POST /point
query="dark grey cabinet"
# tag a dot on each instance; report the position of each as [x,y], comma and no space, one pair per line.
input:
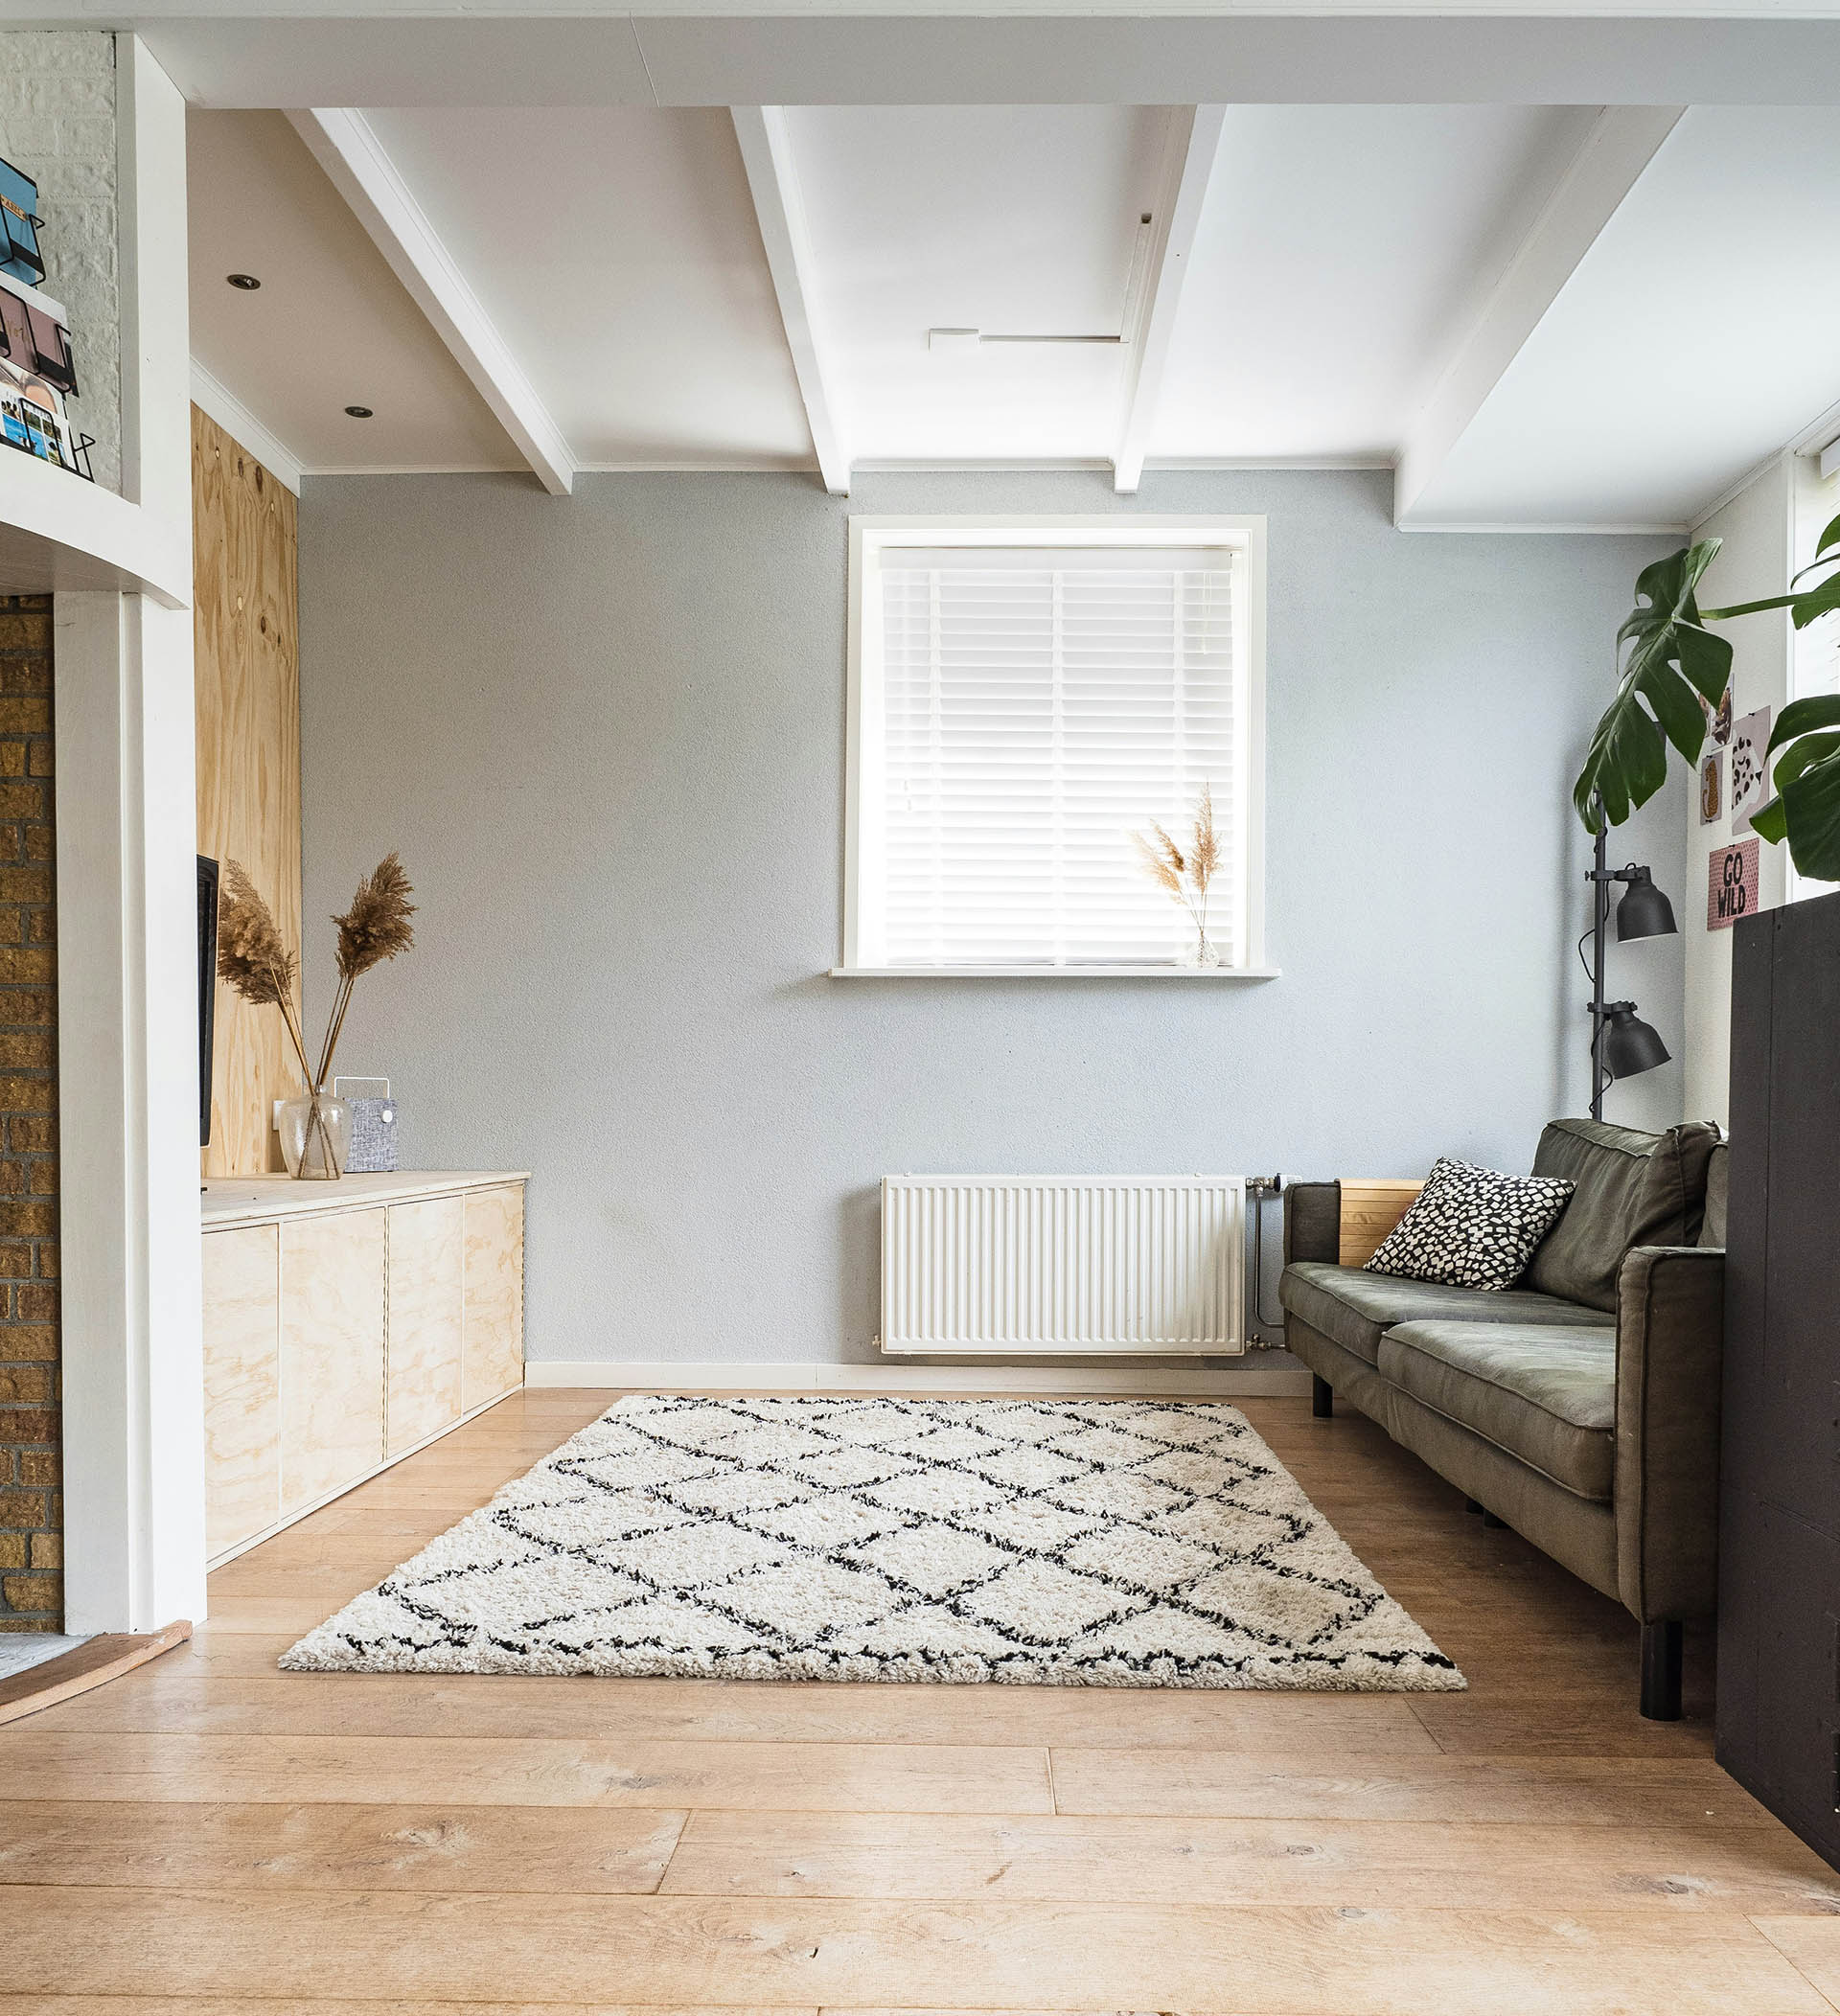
[1779,1567]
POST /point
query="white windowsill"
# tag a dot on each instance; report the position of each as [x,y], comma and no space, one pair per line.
[1055,972]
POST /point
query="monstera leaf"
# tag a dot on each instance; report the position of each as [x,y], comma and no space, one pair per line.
[1806,810]
[1673,662]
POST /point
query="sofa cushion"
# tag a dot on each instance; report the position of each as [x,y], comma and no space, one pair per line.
[1352,1307]
[1546,1393]
[1632,1189]
[1471,1227]
[1718,1177]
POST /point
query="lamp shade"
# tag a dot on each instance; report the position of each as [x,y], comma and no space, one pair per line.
[1644,912]
[1630,1045]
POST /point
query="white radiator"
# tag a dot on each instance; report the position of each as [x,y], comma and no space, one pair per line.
[1110,1265]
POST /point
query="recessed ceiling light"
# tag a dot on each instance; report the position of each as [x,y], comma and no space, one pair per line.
[246,282]
[358,412]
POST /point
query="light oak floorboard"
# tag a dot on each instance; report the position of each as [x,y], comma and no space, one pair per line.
[516,1705]
[1813,1945]
[135,1845]
[449,1771]
[1368,1864]
[1573,1791]
[680,1950]
[294,2006]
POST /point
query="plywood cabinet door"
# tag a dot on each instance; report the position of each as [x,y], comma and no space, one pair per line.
[495,1332]
[428,1265]
[332,1352]
[242,1384]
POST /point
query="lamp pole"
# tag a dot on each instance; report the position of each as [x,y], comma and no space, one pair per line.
[1600,909]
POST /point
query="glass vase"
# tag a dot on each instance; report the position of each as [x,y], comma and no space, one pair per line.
[315,1135]
[1200,950]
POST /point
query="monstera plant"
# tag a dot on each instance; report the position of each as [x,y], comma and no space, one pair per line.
[1671,661]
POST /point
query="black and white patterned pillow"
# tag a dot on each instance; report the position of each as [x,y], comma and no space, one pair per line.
[1472,1227]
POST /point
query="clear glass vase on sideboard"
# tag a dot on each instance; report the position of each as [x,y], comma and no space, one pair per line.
[315,1135]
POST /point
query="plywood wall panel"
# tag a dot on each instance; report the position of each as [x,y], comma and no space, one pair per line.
[244,531]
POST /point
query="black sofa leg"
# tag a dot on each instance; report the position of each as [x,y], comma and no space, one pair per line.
[1494,1525]
[1472,1505]
[1321,1398]
[1661,1670]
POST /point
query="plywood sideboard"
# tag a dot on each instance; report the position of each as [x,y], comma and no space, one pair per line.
[346,1325]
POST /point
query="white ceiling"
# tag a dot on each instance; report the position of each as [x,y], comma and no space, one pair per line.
[1340,247]
[1011,220]
[1700,332]
[616,250]
[331,326]
[1343,261]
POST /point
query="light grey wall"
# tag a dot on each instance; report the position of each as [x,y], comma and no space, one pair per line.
[606,734]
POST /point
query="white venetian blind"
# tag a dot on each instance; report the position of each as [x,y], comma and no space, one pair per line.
[1039,707]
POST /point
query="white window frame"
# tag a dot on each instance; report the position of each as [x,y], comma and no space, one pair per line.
[870,538]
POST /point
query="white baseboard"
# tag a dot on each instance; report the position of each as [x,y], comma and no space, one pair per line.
[1094,1381]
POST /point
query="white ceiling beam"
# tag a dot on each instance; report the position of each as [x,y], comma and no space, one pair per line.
[1621,140]
[772,176]
[1191,142]
[344,145]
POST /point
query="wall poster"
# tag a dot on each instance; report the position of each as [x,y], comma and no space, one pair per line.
[1731,884]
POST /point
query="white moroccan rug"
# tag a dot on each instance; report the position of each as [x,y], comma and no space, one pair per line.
[1095,1543]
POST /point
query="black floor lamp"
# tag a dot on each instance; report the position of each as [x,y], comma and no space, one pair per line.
[1621,1044]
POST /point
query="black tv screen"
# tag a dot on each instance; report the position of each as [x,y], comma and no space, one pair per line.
[207,988]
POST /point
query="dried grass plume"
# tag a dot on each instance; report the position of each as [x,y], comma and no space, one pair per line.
[251,957]
[1185,876]
[377,926]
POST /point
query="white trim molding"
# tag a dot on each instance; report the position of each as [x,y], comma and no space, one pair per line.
[1190,144]
[766,145]
[1089,1382]
[1055,972]
[346,145]
[212,397]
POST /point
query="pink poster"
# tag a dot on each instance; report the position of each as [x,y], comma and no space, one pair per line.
[1731,884]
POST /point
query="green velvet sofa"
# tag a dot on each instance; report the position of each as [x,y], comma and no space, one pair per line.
[1581,1407]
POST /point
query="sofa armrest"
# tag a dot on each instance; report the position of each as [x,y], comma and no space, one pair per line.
[1312,1222]
[1670,1344]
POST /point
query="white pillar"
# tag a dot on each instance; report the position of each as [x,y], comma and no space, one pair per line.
[127,1067]
[128,1038]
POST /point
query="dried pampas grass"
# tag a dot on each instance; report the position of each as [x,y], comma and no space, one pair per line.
[375,927]
[251,957]
[1185,876]
[253,960]
[250,954]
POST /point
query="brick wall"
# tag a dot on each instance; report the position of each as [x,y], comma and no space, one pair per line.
[31,1504]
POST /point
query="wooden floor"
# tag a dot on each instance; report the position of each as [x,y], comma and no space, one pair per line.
[210,1835]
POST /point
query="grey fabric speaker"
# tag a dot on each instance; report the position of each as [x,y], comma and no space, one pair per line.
[373,1123]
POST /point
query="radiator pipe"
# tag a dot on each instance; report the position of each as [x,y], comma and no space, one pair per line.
[1259,1188]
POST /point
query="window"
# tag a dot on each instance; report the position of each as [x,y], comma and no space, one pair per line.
[1025,695]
